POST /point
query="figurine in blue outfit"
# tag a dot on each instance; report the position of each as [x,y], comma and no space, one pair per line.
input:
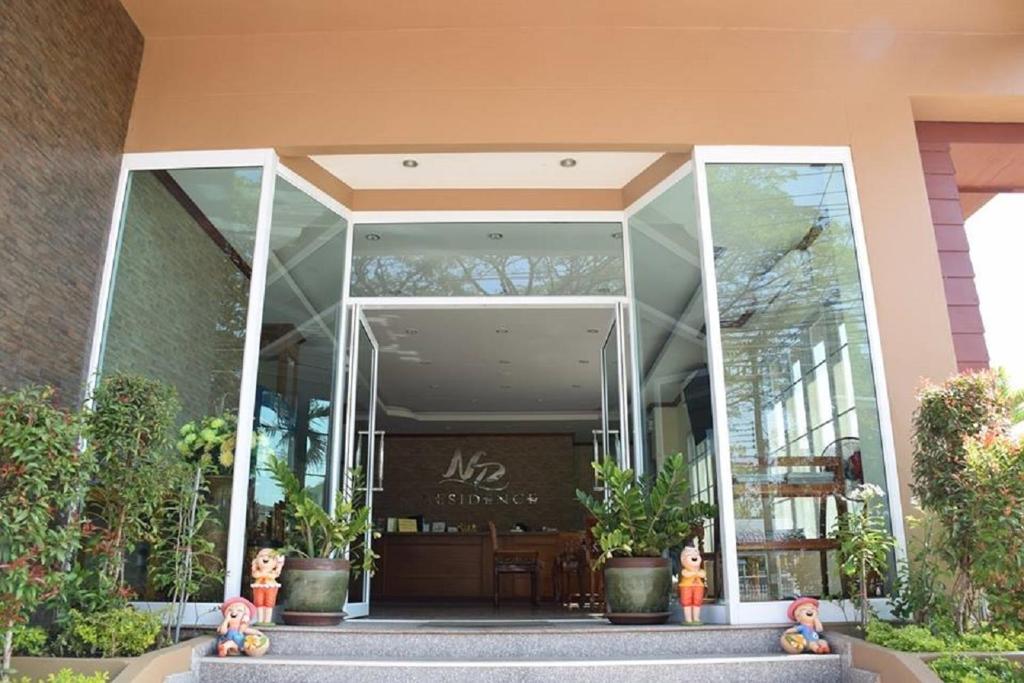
[805,636]
[235,636]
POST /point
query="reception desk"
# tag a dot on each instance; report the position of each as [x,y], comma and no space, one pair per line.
[459,566]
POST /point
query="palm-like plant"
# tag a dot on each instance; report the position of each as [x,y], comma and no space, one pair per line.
[643,517]
[312,531]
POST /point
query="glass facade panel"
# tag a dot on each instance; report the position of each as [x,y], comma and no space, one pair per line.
[487,259]
[179,300]
[673,364]
[802,414]
[295,392]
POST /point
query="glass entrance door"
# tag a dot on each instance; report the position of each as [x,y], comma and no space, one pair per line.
[614,405]
[360,456]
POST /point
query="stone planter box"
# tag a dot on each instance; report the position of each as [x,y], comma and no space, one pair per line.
[152,666]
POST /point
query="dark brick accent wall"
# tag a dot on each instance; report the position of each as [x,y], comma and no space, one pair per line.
[542,473]
[68,70]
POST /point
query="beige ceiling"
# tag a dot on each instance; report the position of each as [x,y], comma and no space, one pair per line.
[212,17]
[487,170]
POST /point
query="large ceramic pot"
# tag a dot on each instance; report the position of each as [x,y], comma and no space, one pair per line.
[314,591]
[637,589]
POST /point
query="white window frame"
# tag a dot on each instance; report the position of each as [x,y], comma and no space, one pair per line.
[731,610]
[775,611]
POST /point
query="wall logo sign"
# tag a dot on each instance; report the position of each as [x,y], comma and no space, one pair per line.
[485,480]
[475,473]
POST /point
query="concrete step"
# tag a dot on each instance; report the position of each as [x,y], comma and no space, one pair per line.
[747,669]
[522,641]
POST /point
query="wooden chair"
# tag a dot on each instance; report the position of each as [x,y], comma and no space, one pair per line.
[514,562]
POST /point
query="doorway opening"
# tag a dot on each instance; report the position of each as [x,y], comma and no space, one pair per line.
[483,416]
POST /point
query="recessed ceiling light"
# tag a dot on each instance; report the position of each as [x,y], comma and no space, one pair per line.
[577,386]
[435,386]
[593,330]
[410,163]
[505,386]
[567,162]
[616,235]
[426,362]
[411,331]
[501,330]
[372,236]
[540,400]
[584,362]
[504,362]
[495,236]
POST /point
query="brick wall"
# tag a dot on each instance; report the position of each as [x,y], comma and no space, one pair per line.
[178,307]
[544,469]
[67,76]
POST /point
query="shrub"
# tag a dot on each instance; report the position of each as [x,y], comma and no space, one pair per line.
[864,543]
[130,428]
[30,641]
[42,476]
[969,406]
[124,632]
[961,669]
[905,639]
[919,591]
[69,676]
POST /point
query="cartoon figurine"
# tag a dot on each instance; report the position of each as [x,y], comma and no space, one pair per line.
[235,635]
[265,569]
[806,635]
[691,584]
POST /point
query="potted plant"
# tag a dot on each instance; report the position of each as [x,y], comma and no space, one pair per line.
[316,575]
[638,520]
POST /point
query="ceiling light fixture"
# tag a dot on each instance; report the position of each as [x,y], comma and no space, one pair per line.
[616,235]
[411,331]
[504,362]
[584,362]
[567,162]
[501,330]
[410,163]
[593,330]
[577,386]
[435,386]
[495,236]
[426,362]
[505,386]
[372,236]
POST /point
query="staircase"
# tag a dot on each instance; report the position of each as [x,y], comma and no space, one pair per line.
[521,651]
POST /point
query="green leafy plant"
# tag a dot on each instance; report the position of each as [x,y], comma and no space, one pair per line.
[123,632]
[129,427]
[864,543]
[43,473]
[183,558]
[912,638]
[69,676]
[30,641]
[311,530]
[963,669]
[968,406]
[210,442]
[919,592]
[643,517]
[993,483]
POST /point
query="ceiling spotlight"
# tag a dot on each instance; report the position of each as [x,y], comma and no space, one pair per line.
[495,236]
[593,330]
[567,162]
[540,400]
[504,362]
[372,236]
[411,331]
[584,362]
[426,362]
[435,386]
[577,386]
[616,235]
[501,330]
[505,386]
[410,163]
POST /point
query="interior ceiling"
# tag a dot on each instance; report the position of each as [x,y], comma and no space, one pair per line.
[546,367]
[487,170]
[218,17]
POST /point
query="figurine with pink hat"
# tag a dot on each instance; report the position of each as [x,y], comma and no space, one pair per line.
[235,635]
[805,636]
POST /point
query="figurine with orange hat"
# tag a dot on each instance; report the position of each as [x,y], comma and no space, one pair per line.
[235,635]
[805,636]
